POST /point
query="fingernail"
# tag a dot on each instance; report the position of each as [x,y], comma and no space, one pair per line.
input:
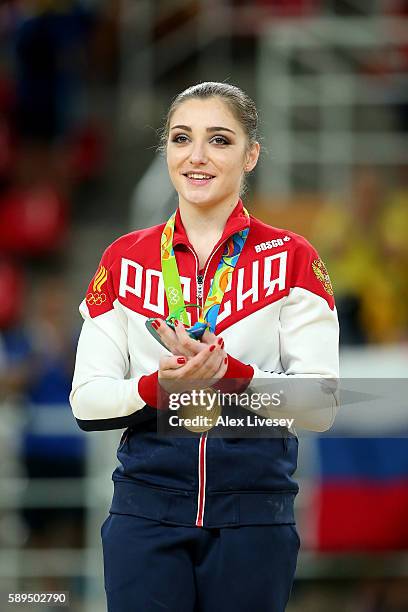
[175,322]
[157,321]
[154,325]
[212,347]
[220,341]
[222,345]
[181,360]
[226,360]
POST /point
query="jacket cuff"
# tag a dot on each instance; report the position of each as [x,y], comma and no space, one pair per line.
[152,392]
[236,378]
[147,387]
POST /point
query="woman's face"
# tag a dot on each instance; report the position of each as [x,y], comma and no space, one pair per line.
[207,152]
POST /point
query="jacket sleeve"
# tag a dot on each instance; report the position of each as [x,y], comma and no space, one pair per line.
[103,394]
[309,350]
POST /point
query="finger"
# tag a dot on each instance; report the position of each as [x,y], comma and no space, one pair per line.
[169,378]
[170,339]
[217,340]
[221,370]
[211,372]
[210,367]
[211,338]
[189,346]
[172,362]
[204,364]
[167,335]
[208,337]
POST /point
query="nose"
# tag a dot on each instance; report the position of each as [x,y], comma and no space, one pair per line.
[198,154]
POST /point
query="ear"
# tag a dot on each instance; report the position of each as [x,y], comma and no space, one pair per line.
[251,157]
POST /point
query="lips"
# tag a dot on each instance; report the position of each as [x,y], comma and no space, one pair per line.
[198,178]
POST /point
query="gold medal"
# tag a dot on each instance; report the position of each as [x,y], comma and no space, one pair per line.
[201,417]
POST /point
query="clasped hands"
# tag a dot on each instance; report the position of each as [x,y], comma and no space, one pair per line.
[192,361]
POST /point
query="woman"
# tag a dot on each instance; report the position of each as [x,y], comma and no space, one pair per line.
[204,522]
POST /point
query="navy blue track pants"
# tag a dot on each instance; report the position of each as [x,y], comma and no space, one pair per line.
[153,567]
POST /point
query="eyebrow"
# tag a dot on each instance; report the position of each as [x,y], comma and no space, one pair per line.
[216,128]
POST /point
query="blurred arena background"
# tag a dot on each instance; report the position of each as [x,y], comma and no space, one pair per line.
[84,86]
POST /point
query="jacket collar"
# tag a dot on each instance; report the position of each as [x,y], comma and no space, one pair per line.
[236,222]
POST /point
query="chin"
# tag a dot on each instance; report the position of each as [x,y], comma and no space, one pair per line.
[199,199]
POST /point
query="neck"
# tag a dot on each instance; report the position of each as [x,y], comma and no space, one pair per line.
[200,222]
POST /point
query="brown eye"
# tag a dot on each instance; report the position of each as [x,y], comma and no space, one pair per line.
[181,139]
[220,140]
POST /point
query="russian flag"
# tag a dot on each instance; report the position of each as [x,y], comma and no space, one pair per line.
[362,500]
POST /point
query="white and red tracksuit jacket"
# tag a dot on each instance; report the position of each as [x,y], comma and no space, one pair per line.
[278,321]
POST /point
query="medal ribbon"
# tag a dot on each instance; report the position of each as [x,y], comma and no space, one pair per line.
[222,276]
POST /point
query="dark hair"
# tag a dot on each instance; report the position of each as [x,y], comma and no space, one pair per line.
[240,104]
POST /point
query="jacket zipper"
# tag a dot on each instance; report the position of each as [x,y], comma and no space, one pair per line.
[200,286]
[202,446]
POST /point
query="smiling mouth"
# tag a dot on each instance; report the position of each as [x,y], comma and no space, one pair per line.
[198,176]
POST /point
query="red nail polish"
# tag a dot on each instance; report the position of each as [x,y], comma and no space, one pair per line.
[222,345]
[220,341]
[226,360]
[175,322]
[157,321]
[181,360]
[154,325]
[212,347]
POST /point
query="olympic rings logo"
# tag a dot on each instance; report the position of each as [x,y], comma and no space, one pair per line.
[173,295]
[95,299]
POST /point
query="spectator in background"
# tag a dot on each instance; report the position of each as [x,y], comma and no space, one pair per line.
[50,56]
[7,132]
[51,447]
[349,238]
[12,529]
[394,245]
